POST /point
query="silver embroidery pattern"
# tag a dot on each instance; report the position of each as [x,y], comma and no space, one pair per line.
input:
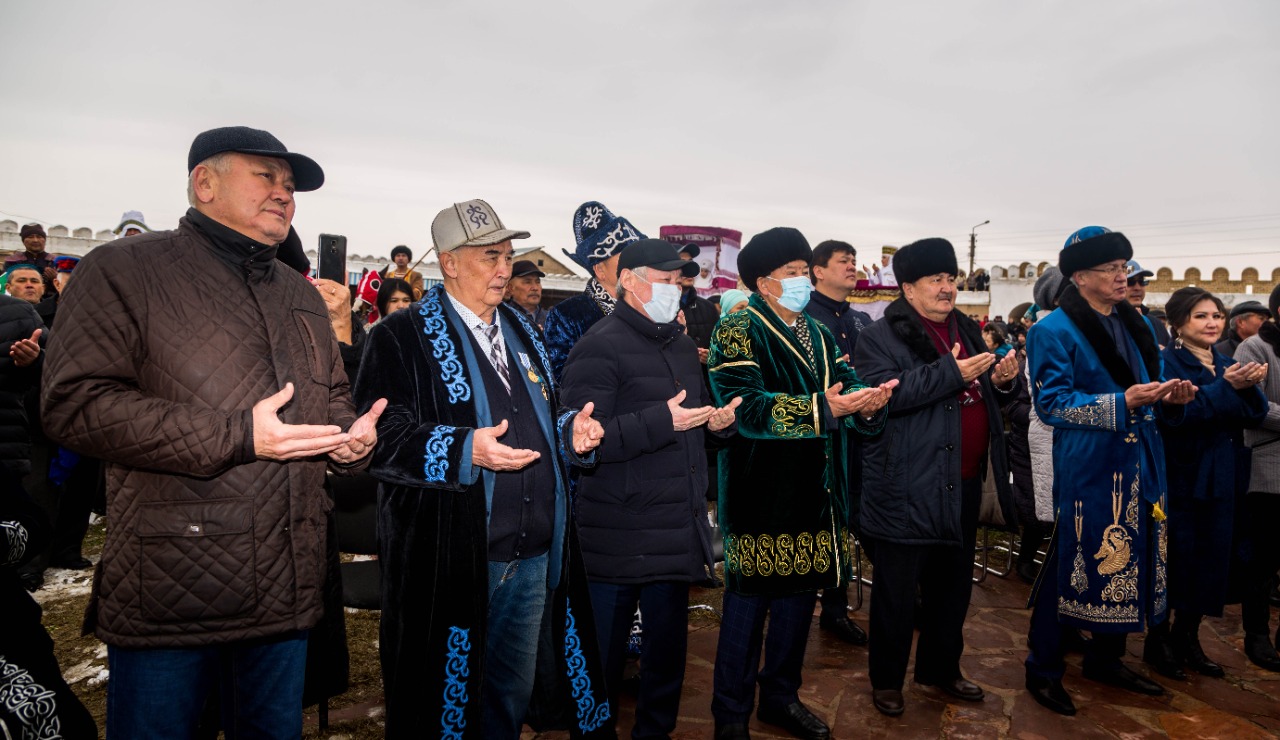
[614,240]
[1100,413]
[31,703]
[16,535]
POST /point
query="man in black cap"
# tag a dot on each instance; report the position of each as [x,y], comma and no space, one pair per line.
[645,547]
[1243,322]
[524,291]
[1136,284]
[217,400]
[700,316]
[922,485]
[783,505]
[400,258]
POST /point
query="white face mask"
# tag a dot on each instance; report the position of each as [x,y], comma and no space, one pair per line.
[663,306]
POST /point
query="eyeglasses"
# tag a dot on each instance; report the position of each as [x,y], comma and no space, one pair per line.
[1109,270]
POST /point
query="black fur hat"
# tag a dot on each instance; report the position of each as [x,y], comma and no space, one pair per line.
[923,258]
[1090,247]
[769,250]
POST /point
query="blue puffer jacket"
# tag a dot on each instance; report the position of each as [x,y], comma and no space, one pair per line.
[642,511]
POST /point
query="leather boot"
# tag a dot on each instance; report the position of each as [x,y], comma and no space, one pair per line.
[1261,652]
[1157,653]
[1185,642]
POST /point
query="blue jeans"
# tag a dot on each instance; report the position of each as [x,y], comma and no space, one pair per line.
[158,693]
[517,596]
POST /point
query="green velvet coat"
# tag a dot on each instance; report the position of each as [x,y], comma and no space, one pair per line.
[783,506]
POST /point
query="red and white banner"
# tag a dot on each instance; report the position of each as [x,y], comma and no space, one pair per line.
[717,255]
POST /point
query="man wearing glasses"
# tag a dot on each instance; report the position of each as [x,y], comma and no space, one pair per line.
[1137,283]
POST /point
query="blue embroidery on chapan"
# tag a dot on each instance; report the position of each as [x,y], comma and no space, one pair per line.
[590,714]
[437,453]
[537,345]
[453,719]
[442,346]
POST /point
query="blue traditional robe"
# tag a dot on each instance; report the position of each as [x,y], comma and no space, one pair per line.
[783,503]
[433,512]
[1108,466]
[1208,468]
[567,321]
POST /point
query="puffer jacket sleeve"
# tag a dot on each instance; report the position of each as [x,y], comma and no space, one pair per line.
[91,401]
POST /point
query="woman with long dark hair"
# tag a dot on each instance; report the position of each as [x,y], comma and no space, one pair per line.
[1207,469]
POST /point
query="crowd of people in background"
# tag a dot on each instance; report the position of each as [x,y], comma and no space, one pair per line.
[551,480]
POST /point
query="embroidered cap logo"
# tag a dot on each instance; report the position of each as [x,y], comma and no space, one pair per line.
[477,216]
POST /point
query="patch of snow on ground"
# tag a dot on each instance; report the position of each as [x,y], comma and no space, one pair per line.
[61,584]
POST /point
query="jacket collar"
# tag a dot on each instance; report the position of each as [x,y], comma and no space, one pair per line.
[1090,325]
[907,324]
[254,261]
[831,304]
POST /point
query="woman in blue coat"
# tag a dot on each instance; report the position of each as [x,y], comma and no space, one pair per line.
[1207,468]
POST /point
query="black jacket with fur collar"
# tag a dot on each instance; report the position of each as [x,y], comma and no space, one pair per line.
[911,472]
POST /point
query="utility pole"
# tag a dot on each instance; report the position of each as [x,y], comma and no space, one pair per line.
[973,246]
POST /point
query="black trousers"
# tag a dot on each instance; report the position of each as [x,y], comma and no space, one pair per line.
[944,575]
[1046,635]
[738,653]
[1262,511]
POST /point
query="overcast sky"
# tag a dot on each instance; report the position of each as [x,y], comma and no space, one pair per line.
[875,123]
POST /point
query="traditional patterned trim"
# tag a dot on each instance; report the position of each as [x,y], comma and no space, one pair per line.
[785,412]
[436,328]
[779,554]
[731,337]
[1100,413]
[453,718]
[532,334]
[29,702]
[788,341]
[16,536]
[1101,613]
[740,363]
[591,715]
[437,453]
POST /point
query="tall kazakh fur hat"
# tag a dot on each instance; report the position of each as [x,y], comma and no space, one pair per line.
[1092,246]
[769,250]
[599,234]
[923,258]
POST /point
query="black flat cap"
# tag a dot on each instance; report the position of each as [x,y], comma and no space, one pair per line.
[658,254]
[525,268]
[307,175]
[1240,309]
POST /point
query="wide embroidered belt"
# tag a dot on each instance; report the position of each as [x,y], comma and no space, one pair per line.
[784,554]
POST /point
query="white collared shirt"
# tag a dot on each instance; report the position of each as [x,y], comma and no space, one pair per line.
[480,329]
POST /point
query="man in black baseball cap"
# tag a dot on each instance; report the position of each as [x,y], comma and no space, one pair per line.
[307,175]
[524,291]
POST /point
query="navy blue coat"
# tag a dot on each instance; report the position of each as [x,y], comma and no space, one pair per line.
[1207,467]
[642,511]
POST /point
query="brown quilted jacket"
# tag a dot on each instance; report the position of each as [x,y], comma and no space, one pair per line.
[162,349]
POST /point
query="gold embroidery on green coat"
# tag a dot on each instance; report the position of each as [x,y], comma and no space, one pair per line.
[781,554]
[786,409]
[731,338]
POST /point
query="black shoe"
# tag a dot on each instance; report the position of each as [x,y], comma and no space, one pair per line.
[1074,641]
[77,564]
[1122,677]
[32,581]
[1028,571]
[736,731]
[960,689]
[888,701]
[1158,654]
[796,719]
[1187,649]
[1261,652]
[844,628]
[1048,692]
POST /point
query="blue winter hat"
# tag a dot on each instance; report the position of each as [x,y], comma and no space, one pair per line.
[599,234]
[1091,246]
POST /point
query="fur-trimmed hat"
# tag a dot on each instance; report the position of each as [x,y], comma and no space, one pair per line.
[131,220]
[923,258]
[769,250]
[599,234]
[1092,246]
[30,229]
[401,249]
